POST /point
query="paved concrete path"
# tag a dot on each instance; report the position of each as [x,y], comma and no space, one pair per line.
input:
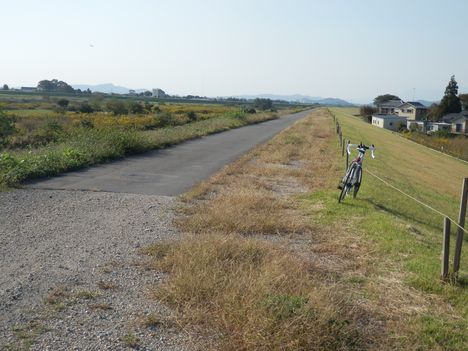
[170,171]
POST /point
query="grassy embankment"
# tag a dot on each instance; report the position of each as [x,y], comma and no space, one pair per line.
[50,144]
[407,235]
[272,261]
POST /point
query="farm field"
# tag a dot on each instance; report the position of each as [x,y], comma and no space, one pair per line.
[272,259]
[48,137]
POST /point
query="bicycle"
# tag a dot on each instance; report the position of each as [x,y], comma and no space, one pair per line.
[353,176]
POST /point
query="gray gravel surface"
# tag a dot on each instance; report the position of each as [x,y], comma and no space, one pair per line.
[72,275]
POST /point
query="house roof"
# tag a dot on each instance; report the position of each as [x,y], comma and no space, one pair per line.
[415,104]
[440,123]
[391,104]
[465,117]
[453,116]
[389,117]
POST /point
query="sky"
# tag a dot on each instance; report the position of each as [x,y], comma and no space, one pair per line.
[350,49]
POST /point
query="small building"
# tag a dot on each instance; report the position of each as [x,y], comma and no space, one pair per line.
[458,122]
[414,111]
[460,125]
[420,126]
[438,126]
[389,107]
[391,122]
[29,89]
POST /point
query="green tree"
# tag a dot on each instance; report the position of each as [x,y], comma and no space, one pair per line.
[464,101]
[384,98]
[367,110]
[55,85]
[433,112]
[263,104]
[450,103]
[5,87]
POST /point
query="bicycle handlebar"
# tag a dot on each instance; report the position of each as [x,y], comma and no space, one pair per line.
[361,148]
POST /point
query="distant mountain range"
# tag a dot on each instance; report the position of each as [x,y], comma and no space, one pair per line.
[426,102]
[299,98]
[106,88]
[116,89]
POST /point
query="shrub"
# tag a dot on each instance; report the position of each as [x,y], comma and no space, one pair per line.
[86,123]
[239,114]
[192,116]
[442,134]
[135,107]
[7,127]
[63,103]
[85,107]
[367,110]
[166,119]
[249,110]
[117,107]
[51,131]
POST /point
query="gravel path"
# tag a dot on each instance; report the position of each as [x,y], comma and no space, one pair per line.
[72,277]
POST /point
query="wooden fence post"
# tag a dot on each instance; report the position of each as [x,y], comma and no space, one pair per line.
[445,249]
[461,223]
[347,156]
[342,148]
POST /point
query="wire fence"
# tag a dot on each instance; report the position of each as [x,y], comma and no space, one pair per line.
[416,200]
[339,131]
[447,220]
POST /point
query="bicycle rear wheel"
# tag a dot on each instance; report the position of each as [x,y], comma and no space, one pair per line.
[357,184]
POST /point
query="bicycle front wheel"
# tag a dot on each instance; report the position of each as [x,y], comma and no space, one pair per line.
[347,183]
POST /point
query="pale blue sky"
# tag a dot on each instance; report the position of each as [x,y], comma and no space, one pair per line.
[342,48]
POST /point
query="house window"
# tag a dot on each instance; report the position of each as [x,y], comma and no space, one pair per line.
[391,123]
[458,128]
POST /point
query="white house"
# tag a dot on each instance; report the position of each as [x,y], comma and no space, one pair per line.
[389,107]
[412,110]
[460,125]
[458,122]
[392,122]
[437,126]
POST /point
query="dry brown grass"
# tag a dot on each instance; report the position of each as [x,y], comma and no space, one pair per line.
[246,208]
[257,296]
